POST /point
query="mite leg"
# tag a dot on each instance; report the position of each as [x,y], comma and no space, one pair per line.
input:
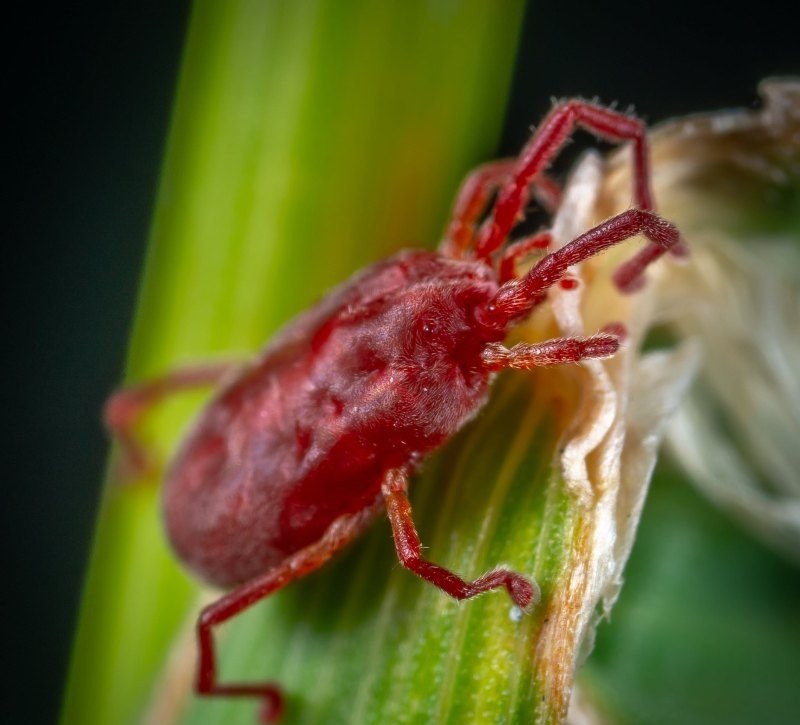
[547,192]
[124,409]
[340,533]
[470,202]
[562,350]
[629,276]
[517,298]
[545,144]
[514,252]
[474,194]
[522,591]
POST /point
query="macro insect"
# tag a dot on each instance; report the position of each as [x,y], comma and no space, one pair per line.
[301,449]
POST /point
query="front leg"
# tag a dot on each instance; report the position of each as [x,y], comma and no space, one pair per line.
[474,194]
[517,297]
[545,144]
[523,591]
[559,351]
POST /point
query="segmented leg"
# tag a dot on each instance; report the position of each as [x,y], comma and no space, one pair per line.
[522,591]
[545,144]
[340,533]
[474,194]
[125,408]
[524,356]
[629,276]
[518,297]
[471,200]
[507,268]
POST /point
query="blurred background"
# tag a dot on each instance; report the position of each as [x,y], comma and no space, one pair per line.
[91,89]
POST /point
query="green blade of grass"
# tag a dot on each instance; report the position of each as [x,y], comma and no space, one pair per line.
[307,139]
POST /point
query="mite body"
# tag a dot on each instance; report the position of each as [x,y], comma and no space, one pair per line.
[380,373]
[301,449]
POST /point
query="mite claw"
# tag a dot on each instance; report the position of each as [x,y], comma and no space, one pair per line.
[524,593]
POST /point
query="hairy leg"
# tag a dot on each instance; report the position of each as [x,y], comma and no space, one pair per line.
[546,143]
[507,268]
[474,194]
[125,408]
[524,356]
[340,533]
[522,591]
[518,297]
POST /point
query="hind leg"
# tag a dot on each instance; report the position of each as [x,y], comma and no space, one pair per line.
[125,408]
[340,533]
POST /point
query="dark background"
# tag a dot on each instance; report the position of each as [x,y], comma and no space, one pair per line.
[89,101]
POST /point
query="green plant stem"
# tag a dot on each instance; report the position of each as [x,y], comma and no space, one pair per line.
[307,139]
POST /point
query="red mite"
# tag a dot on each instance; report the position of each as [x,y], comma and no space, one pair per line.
[301,449]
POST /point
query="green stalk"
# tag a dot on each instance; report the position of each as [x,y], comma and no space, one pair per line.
[308,138]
